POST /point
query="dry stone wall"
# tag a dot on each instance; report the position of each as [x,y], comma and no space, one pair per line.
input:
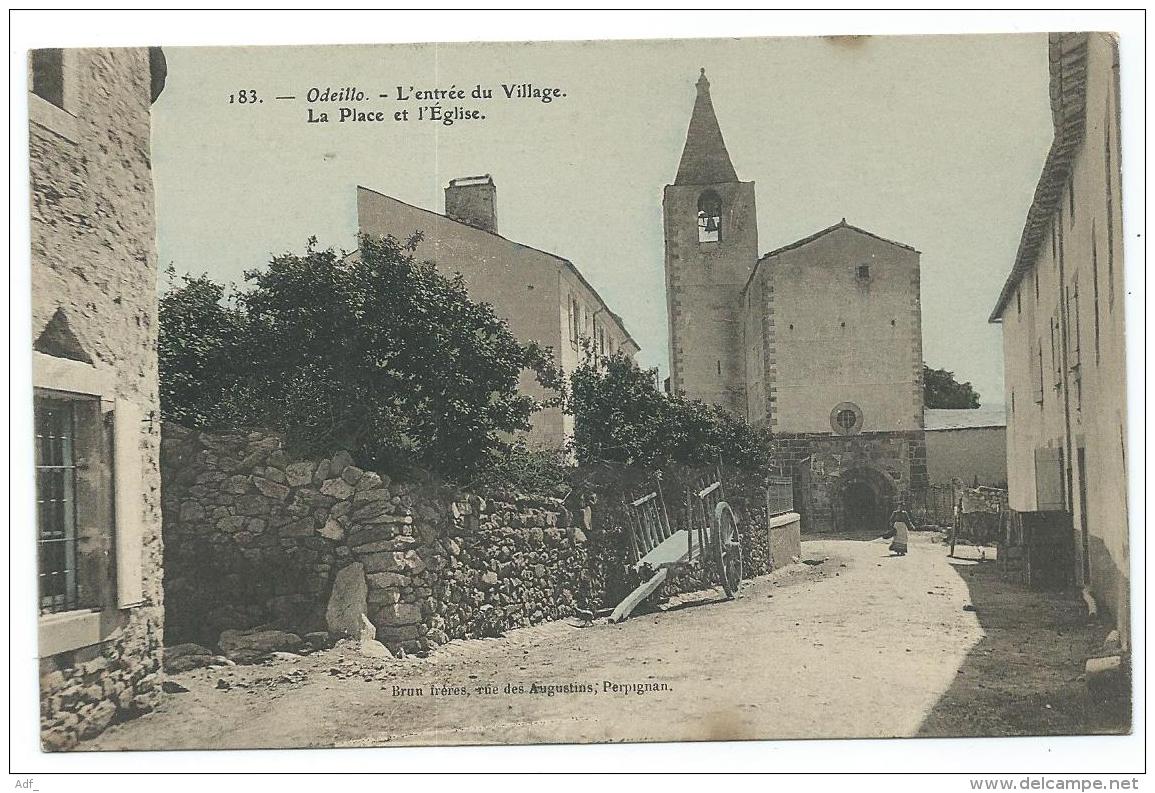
[256,538]
[261,542]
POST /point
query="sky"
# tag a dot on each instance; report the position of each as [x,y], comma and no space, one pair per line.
[933,141]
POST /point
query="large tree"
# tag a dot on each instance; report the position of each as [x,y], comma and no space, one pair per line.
[376,352]
[621,416]
[941,390]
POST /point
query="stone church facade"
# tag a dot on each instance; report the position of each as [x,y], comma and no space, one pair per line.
[820,341]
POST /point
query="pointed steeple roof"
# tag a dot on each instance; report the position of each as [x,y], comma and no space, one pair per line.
[704,159]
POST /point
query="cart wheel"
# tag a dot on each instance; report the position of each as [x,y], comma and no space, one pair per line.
[727,548]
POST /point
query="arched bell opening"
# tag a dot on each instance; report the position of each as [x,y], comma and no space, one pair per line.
[709,217]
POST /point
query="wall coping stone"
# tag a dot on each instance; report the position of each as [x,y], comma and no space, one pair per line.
[785,519]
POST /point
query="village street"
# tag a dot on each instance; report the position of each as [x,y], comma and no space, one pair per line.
[855,644]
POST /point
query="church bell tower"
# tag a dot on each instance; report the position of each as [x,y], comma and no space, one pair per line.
[711,247]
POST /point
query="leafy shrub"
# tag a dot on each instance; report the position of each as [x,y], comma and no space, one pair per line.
[522,469]
[621,416]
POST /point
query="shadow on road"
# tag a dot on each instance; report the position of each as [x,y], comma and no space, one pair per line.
[1025,676]
[694,603]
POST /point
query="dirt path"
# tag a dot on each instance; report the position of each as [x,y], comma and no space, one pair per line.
[861,645]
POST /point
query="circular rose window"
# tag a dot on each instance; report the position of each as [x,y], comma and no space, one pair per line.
[846,418]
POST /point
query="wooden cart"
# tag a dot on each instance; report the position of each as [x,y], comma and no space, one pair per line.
[710,536]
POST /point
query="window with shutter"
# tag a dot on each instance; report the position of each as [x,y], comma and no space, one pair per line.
[90,515]
[1073,299]
[1037,373]
[574,323]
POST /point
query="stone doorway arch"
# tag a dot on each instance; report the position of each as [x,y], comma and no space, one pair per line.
[863,498]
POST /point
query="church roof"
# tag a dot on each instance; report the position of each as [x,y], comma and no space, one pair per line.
[842,224]
[704,158]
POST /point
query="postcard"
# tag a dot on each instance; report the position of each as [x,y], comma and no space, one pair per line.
[579,392]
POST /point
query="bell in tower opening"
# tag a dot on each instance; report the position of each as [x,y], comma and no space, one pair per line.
[709,217]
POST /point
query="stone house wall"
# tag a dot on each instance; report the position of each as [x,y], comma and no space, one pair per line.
[93,273]
[1061,311]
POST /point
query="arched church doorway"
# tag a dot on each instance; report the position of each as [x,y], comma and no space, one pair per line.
[864,498]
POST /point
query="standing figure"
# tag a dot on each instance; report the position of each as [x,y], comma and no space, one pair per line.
[899,527]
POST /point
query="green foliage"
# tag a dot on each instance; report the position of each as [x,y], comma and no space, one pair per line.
[523,469]
[198,332]
[621,416]
[376,352]
[941,390]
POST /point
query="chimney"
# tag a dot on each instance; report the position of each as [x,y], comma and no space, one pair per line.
[473,200]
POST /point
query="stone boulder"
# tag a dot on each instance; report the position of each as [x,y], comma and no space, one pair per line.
[299,473]
[250,647]
[183,657]
[347,601]
[395,614]
[336,488]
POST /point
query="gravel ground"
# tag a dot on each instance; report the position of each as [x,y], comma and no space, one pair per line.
[858,644]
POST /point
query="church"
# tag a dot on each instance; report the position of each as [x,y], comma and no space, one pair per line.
[819,341]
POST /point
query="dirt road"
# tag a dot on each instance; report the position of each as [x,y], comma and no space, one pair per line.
[860,645]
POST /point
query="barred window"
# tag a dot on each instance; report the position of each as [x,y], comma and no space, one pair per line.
[91,519]
[56,504]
